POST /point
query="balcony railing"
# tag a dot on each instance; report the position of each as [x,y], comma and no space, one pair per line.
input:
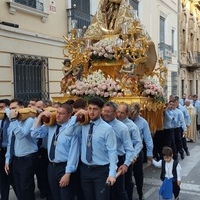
[31,3]
[194,57]
[165,51]
[83,19]
[198,57]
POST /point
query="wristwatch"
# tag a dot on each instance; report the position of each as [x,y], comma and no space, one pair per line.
[13,119]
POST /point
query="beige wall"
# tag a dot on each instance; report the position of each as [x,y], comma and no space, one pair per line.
[25,43]
[55,25]
[33,37]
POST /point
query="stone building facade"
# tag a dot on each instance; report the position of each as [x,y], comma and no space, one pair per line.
[189,47]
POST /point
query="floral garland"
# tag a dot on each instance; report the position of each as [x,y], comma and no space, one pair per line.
[150,88]
[103,50]
[96,85]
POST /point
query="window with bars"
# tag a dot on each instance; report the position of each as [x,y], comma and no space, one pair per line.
[83,5]
[30,77]
[81,12]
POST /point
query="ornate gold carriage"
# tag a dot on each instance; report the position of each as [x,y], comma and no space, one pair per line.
[128,41]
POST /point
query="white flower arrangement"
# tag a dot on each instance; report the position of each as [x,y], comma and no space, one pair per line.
[103,50]
[150,88]
[96,85]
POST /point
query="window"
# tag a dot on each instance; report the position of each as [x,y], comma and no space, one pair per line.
[183,40]
[37,4]
[83,5]
[32,7]
[134,4]
[81,12]
[30,77]
[173,35]
[182,86]
[162,29]
[174,81]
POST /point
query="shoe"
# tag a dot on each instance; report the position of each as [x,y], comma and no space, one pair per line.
[177,198]
[182,156]
[187,153]
[141,198]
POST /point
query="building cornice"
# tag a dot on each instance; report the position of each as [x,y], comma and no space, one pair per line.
[10,32]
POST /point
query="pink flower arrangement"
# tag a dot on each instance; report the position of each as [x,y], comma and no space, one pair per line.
[96,84]
[103,50]
[150,88]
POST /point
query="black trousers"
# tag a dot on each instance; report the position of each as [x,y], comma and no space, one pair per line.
[118,191]
[77,184]
[93,179]
[178,141]
[158,144]
[4,178]
[184,142]
[138,174]
[55,172]
[168,139]
[42,174]
[129,182]
[24,169]
[176,189]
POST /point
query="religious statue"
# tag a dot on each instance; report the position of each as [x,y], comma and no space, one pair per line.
[109,21]
[128,77]
[68,78]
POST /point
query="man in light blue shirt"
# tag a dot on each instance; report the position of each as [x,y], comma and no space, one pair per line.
[124,149]
[63,151]
[179,125]
[187,122]
[146,137]
[122,115]
[5,180]
[99,144]
[21,152]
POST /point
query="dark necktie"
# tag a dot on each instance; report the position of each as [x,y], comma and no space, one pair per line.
[53,143]
[89,144]
[12,145]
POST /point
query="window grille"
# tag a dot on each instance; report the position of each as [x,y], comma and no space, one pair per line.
[30,77]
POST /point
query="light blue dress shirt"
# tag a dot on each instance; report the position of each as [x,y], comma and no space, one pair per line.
[169,118]
[145,134]
[104,145]
[182,101]
[180,122]
[135,136]
[67,146]
[185,114]
[24,143]
[124,143]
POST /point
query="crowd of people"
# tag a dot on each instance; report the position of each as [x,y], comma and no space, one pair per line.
[96,160]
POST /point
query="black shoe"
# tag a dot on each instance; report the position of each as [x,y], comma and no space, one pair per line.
[182,156]
[141,198]
[187,153]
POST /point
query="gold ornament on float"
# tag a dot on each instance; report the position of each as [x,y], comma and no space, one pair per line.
[117,44]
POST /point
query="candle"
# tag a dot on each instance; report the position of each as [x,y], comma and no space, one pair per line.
[124,28]
[79,33]
[74,23]
[87,43]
